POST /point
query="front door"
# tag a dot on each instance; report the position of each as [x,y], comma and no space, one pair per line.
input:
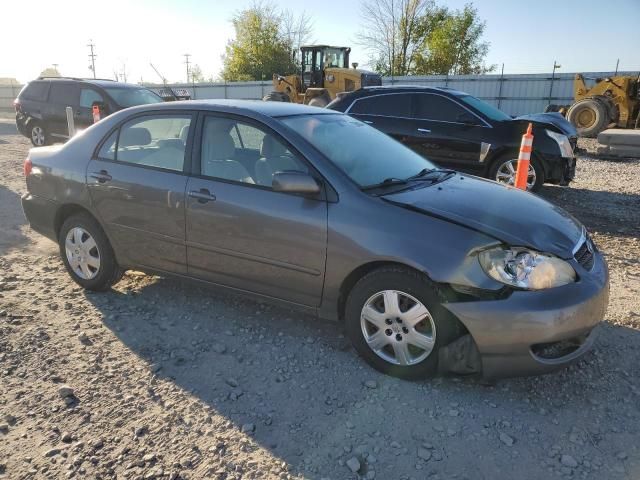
[137,185]
[447,133]
[242,234]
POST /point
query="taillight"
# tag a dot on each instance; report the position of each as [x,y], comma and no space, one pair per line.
[16,105]
[28,166]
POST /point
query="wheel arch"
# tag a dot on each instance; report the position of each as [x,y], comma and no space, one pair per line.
[359,272]
[67,210]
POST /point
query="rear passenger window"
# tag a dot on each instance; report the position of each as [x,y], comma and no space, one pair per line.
[439,108]
[64,94]
[108,149]
[36,91]
[389,105]
[157,141]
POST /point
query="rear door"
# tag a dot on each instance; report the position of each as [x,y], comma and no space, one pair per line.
[61,95]
[242,234]
[447,133]
[137,184]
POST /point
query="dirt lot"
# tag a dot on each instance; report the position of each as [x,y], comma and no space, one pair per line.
[172,380]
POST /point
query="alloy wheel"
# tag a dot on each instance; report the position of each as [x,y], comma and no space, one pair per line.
[37,135]
[82,253]
[506,174]
[398,328]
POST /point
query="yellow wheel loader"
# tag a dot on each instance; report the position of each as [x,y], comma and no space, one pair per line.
[325,73]
[612,100]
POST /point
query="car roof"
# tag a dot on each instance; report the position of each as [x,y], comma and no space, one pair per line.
[270,109]
[409,88]
[99,82]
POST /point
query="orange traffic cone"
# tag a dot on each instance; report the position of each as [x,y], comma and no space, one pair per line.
[96,113]
[524,159]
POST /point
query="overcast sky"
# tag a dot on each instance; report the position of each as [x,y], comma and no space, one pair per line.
[585,35]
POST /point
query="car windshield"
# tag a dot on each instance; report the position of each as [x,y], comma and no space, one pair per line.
[489,110]
[129,97]
[365,154]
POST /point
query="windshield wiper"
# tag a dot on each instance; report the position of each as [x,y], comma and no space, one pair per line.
[385,183]
[428,172]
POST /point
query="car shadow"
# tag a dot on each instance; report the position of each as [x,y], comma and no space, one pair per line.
[601,211]
[298,381]
[8,128]
[12,221]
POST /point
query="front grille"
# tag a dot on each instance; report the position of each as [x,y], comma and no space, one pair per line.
[584,254]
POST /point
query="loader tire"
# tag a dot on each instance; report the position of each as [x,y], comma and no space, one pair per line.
[276,97]
[589,116]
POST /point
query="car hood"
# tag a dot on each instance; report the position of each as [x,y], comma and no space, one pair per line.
[553,118]
[510,215]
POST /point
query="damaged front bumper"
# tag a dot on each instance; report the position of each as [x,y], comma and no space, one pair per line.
[530,332]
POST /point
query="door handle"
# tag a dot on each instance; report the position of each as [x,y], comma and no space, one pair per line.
[203,195]
[424,130]
[102,176]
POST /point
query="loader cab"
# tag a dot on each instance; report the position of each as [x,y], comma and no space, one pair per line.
[318,57]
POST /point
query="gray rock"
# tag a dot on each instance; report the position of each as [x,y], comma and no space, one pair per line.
[97,443]
[84,338]
[4,428]
[65,391]
[52,452]
[506,439]
[371,384]
[248,428]
[66,437]
[424,454]
[354,464]
[568,461]
[219,348]
[232,382]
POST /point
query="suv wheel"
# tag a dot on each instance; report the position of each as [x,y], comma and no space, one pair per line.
[504,169]
[397,324]
[38,134]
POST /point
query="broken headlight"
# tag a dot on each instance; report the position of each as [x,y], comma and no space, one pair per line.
[527,269]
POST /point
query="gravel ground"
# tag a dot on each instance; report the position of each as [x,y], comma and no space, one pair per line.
[164,379]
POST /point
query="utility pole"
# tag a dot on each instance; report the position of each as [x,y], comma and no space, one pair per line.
[92,56]
[617,65]
[186,62]
[553,77]
[55,66]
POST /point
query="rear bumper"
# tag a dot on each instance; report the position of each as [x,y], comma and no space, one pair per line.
[535,332]
[41,214]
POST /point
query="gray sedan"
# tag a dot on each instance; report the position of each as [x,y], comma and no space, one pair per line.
[429,270]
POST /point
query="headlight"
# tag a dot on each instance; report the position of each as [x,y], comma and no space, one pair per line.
[528,269]
[563,143]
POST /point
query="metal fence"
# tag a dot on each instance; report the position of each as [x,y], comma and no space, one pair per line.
[514,94]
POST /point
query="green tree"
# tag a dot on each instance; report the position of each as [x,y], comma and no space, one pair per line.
[453,45]
[259,48]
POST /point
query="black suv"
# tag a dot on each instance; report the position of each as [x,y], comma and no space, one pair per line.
[41,105]
[457,130]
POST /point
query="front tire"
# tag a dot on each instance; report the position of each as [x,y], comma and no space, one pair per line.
[87,253]
[503,170]
[38,134]
[396,322]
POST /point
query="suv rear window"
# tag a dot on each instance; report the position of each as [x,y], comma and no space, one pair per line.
[35,91]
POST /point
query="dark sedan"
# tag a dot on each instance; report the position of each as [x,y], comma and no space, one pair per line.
[318,210]
[459,131]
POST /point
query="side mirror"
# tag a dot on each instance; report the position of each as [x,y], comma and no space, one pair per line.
[295,182]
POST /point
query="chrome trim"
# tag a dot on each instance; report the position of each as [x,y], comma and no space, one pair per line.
[581,240]
[486,124]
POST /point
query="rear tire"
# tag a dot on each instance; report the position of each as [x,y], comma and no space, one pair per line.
[386,337]
[276,97]
[38,134]
[589,116]
[87,253]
